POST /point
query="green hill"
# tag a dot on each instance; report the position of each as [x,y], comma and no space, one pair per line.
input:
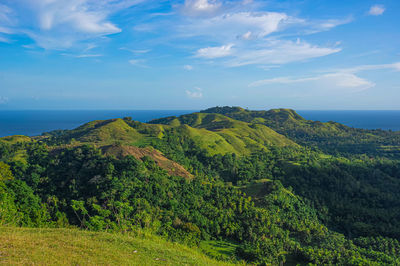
[215,133]
[330,137]
[28,246]
[219,134]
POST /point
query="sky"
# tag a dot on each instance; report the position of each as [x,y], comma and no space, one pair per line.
[195,54]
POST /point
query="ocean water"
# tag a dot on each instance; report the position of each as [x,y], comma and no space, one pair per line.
[33,123]
[387,120]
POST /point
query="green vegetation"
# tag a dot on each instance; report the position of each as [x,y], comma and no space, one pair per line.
[77,247]
[331,137]
[223,182]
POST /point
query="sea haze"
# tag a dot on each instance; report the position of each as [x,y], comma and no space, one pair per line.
[32,123]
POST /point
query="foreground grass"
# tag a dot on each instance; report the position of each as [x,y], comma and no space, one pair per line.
[32,246]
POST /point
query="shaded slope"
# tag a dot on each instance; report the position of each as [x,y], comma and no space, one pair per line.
[171,167]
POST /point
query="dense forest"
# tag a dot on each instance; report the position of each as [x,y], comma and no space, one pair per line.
[273,187]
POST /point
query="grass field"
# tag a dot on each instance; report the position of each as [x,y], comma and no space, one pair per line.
[33,246]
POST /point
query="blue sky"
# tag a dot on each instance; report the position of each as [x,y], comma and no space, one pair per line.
[194,54]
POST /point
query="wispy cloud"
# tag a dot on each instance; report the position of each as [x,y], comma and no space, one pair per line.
[277,52]
[215,52]
[376,10]
[136,51]
[82,55]
[196,93]
[232,26]
[61,24]
[393,66]
[200,7]
[345,78]
[138,62]
[188,67]
[327,81]
[252,37]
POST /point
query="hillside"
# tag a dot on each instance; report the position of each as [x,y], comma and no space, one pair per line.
[171,167]
[330,137]
[22,246]
[219,134]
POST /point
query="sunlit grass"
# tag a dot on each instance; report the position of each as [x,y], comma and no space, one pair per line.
[31,246]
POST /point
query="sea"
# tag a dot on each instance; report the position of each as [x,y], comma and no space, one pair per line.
[34,123]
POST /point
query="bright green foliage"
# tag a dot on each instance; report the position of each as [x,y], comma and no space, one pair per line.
[5,172]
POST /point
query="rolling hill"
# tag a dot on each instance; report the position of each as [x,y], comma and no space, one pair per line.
[215,133]
[330,137]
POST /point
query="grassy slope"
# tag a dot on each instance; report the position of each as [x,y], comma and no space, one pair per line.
[75,247]
[220,134]
[328,136]
[15,139]
[10,140]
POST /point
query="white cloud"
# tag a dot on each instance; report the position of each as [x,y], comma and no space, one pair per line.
[188,67]
[60,24]
[200,7]
[247,35]
[332,81]
[196,93]
[277,52]
[256,37]
[82,55]
[338,79]
[376,10]
[215,52]
[393,66]
[138,62]
[230,26]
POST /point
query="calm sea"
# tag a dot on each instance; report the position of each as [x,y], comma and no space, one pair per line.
[33,123]
[360,119]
